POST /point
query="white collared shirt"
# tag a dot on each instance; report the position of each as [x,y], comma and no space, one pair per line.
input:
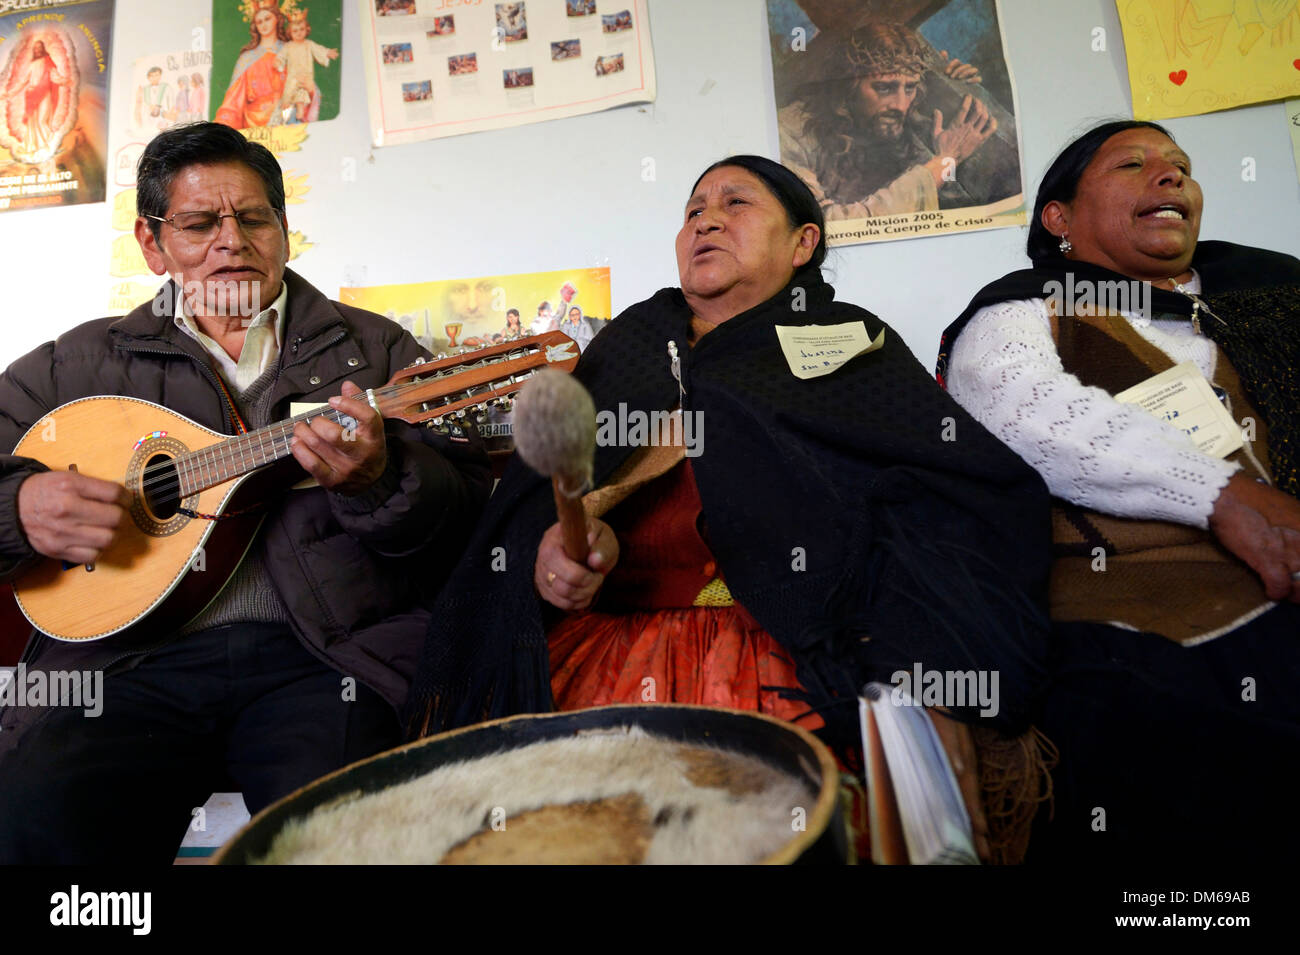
[262,342]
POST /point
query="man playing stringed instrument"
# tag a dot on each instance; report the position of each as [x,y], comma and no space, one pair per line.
[292,665]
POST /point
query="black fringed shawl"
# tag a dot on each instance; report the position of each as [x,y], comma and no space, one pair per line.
[863,518]
[1255,292]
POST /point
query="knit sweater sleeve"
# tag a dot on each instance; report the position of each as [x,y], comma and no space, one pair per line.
[1090,449]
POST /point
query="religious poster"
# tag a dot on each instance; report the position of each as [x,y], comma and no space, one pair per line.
[443,67]
[1198,56]
[53,102]
[167,89]
[900,115]
[275,67]
[457,315]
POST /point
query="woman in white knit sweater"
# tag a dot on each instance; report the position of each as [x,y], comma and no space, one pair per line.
[1176,578]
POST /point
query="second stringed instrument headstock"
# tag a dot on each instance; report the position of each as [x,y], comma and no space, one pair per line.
[450,387]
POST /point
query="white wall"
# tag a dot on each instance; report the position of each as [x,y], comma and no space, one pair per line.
[570,193]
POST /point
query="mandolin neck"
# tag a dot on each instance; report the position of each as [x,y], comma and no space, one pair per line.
[245,453]
[421,393]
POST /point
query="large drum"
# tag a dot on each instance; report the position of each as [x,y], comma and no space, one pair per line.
[662,783]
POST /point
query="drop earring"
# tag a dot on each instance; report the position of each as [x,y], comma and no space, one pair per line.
[1066,245]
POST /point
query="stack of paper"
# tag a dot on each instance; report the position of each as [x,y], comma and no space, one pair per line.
[917,812]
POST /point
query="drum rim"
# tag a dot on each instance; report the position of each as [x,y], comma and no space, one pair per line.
[819,821]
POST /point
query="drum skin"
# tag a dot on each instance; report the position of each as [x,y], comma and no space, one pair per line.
[782,745]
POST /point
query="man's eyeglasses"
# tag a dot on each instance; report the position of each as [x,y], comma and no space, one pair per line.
[205,225]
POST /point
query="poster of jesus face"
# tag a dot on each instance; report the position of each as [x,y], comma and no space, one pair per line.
[54,105]
[899,115]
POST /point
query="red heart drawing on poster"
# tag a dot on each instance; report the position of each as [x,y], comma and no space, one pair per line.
[1296,64]
[1179,78]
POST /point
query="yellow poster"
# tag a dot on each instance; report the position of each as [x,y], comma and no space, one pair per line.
[448,315]
[1198,56]
[456,315]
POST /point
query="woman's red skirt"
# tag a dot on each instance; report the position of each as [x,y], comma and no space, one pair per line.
[710,656]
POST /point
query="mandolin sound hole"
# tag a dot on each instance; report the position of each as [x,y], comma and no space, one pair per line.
[160,487]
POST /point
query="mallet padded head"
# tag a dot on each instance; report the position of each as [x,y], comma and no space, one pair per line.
[555,427]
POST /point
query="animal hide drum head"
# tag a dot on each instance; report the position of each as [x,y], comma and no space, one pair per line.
[662,783]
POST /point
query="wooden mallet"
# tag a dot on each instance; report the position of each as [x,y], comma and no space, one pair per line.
[555,434]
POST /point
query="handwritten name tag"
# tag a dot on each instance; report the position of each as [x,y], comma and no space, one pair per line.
[1182,397]
[815,350]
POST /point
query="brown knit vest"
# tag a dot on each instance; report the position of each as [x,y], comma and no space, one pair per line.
[1158,576]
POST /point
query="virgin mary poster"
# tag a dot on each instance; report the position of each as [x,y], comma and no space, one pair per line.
[275,63]
[54,103]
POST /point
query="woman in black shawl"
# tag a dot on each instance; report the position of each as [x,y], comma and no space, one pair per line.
[840,528]
[1176,571]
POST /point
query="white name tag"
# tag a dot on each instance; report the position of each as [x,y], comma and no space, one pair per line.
[1182,397]
[301,407]
[815,350]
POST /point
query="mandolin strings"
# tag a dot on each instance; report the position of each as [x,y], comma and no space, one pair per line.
[208,467]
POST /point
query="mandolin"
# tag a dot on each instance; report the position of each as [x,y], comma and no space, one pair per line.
[195,493]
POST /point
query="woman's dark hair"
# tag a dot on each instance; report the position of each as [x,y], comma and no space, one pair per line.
[199,144]
[1061,180]
[795,197]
